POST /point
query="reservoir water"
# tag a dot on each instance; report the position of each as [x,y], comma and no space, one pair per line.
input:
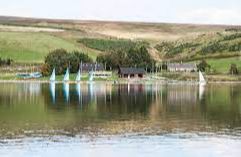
[133,120]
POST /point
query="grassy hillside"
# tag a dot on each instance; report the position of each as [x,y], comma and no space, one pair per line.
[214,45]
[30,47]
[30,40]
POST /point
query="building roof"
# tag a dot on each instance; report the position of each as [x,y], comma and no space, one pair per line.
[132,71]
[92,66]
[181,66]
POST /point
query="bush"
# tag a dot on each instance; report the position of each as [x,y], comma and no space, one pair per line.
[203,66]
[45,69]
[233,69]
[5,62]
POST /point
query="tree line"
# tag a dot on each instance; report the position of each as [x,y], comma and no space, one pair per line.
[136,56]
[5,62]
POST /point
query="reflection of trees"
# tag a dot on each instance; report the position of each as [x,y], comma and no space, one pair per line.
[15,93]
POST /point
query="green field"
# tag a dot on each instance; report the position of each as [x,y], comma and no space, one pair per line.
[30,47]
[223,65]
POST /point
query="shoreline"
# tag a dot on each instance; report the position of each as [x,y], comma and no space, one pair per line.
[169,81]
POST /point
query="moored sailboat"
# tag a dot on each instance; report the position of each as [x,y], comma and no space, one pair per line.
[52,78]
[91,76]
[78,77]
[66,76]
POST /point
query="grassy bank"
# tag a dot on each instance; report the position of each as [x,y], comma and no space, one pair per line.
[12,76]
[195,77]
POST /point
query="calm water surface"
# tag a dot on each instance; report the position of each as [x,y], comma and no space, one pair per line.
[120,120]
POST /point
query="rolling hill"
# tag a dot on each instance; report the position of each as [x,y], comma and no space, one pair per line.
[29,40]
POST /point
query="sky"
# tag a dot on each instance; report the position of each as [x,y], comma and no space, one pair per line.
[173,11]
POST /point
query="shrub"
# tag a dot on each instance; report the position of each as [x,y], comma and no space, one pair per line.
[5,62]
[232,36]
[45,69]
[203,66]
[233,69]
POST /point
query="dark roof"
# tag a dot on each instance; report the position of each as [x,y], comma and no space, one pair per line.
[92,66]
[132,71]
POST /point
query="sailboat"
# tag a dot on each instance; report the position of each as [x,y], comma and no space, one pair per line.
[78,77]
[52,78]
[202,80]
[66,76]
[91,76]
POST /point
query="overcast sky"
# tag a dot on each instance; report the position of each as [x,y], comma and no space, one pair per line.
[175,11]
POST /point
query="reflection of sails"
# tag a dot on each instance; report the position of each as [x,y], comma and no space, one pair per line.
[78,91]
[201,91]
[52,91]
[66,91]
[91,91]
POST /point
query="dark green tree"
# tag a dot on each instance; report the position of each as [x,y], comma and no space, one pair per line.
[233,69]
[203,66]
[57,59]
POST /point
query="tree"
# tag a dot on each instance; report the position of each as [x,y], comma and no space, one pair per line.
[233,69]
[75,58]
[57,59]
[203,66]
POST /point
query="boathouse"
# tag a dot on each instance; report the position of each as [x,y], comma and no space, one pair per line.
[181,67]
[131,72]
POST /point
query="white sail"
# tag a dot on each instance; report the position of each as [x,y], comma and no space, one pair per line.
[52,78]
[201,78]
[66,76]
[78,77]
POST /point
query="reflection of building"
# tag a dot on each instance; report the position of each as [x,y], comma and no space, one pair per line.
[182,94]
[131,72]
[181,67]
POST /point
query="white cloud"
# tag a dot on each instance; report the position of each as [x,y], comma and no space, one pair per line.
[211,16]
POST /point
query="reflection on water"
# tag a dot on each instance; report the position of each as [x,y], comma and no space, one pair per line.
[52,91]
[78,91]
[201,91]
[135,111]
[66,91]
